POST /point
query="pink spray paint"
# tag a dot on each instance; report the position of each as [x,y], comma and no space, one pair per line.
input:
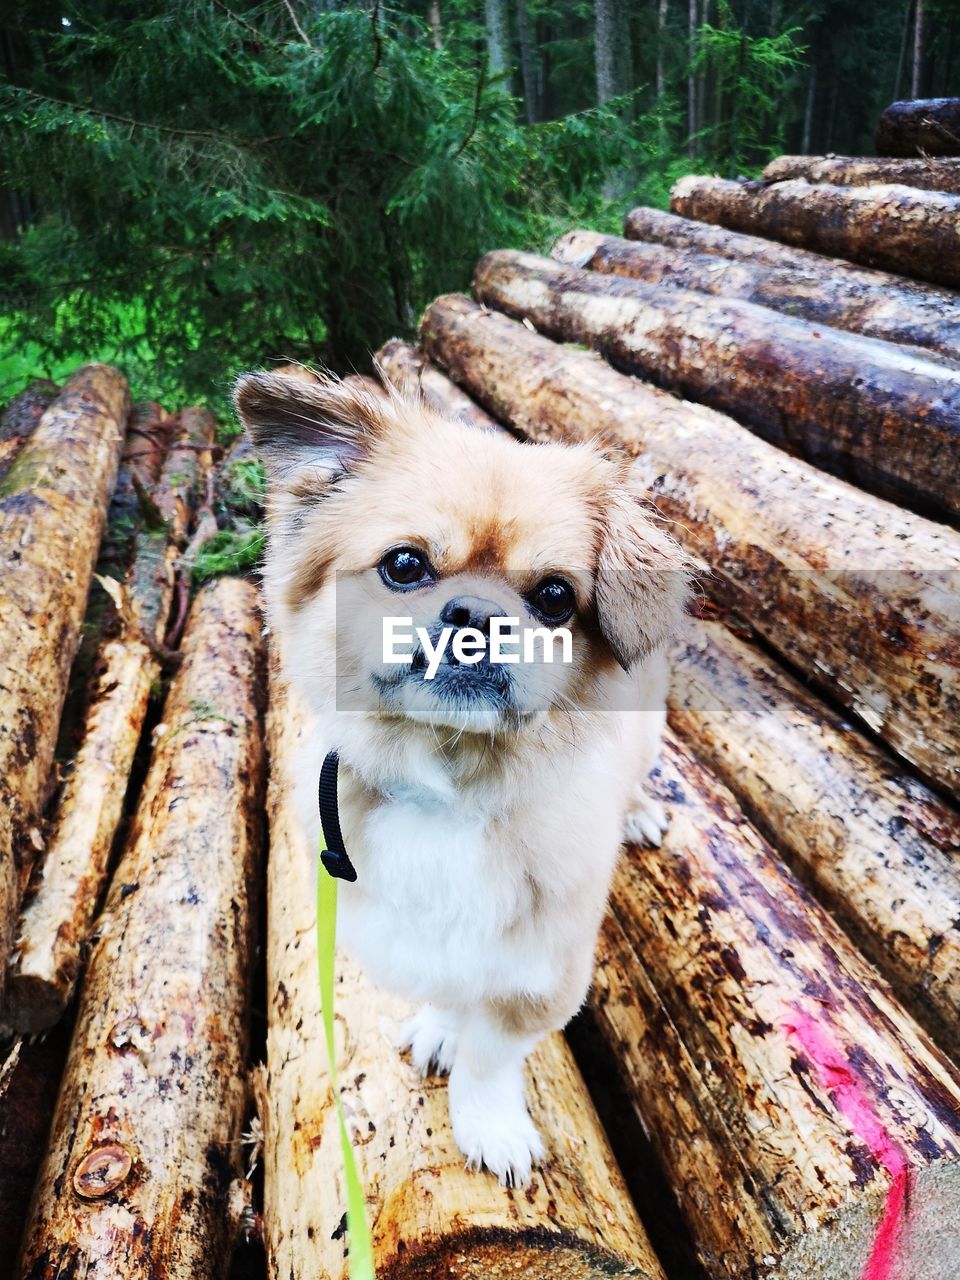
[853,1102]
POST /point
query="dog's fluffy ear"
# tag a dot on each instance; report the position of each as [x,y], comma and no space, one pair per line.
[643,580]
[313,422]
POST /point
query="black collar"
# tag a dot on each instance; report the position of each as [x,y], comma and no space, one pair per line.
[334,855]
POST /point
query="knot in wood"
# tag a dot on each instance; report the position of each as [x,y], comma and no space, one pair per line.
[102,1170]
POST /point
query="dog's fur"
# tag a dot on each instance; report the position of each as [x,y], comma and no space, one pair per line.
[484,829]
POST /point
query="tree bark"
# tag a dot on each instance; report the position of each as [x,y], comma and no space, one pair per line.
[818,567]
[55,925]
[805,1123]
[605,49]
[428,1214]
[915,233]
[926,127]
[406,367]
[808,109]
[803,285]
[917,74]
[527,63]
[137,1180]
[849,171]
[53,507]
[878,848]
[498,41]
[865,410]
[691,79]
[663,12]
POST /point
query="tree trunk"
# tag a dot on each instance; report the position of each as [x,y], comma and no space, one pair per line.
[429,1215]
[878,848]
[527,63]
[435,27]
[915,233]
[53,507]
[808,109]
[865,410]
[814,289]
[55,925]
[918,20]
[816,566]
[805,1123]
[498,41]
[846,171]
[663,12]
[605,49]
[928,127]
[138,1177]
[407,369]
[692,79]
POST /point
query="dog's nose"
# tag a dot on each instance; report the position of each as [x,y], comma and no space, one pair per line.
[471,611]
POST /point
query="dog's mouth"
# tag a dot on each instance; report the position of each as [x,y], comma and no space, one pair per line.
[479,696]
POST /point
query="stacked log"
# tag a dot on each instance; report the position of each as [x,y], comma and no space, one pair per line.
[863,409]
[854,591]
[920,126]
[139,1176]
[20,418]
[877,847]
[806,1125]
[575,1218]
[915,233]
[53,507]
[56,922]
[693,255]
[407,369]
[850,171]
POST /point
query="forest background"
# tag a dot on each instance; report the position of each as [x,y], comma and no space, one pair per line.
[193,187]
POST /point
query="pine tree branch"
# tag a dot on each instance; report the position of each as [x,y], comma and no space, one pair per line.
[293,18]
[478,98]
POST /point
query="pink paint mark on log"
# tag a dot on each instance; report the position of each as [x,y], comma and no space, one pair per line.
[853,1102]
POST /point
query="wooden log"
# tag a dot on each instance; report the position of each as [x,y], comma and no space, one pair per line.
[876,846]
[693,255]
[920,126]
[409,370]
[145,1139]
[23,413]
[819,568]
[55,924]
[862,409]
[806,1124]
[915,233]
[429,1216]
[857,171]
[53,507]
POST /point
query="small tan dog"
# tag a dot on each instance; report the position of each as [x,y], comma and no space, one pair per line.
[482,806]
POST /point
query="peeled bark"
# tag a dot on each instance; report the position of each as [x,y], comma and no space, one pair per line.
[922,126]
[428,1214]
[848,171]
[406,367]
[137,1179]
[854,591]
[55,924]
[798,283]
[53,507]
[878,848]
[915,233]
[865,410]
[805,1123]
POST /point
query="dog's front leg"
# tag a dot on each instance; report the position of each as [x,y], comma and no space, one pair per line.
[491,1124]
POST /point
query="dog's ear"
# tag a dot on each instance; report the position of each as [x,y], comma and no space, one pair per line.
[316,423]
[643,580]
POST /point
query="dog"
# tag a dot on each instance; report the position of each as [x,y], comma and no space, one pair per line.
[483,805]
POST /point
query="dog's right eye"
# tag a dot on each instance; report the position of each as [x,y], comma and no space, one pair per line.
[405,567]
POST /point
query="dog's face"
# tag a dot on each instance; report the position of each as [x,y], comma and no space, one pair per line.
[382,509]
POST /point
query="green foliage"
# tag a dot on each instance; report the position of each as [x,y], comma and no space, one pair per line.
[229,551]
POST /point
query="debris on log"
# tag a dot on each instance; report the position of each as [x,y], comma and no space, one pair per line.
[915,233]
[410,371]
[819,568]
[428,1214]
[878,848]
[855,171]
[145,1140]
[920,126]
[55,924]
[805,1123]
[822,290]
[53,508]
[866,410]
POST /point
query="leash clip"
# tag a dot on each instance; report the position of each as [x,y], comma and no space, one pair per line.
[334,855]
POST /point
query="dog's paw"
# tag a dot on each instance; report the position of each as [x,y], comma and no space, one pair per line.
[431,1037]
[646,821]
[503,1141]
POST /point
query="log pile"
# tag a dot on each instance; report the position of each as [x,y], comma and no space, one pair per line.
[920,126]
[861,171]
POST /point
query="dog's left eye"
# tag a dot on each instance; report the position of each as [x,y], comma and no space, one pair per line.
[405,567]
[552,598]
